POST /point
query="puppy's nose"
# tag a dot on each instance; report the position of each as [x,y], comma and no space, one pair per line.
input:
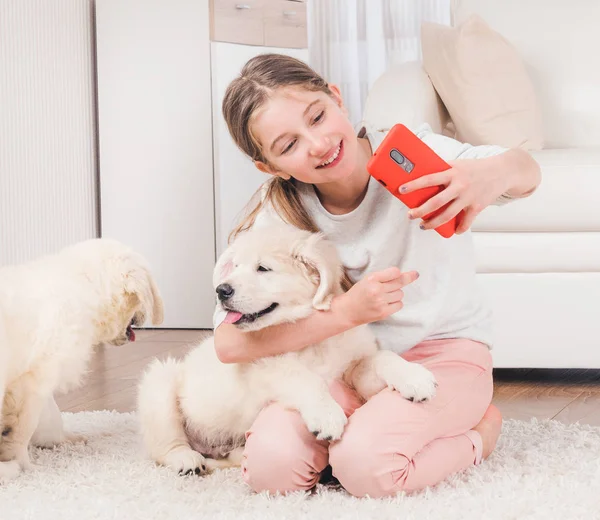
[225,291]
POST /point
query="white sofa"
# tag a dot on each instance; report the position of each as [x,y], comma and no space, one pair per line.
[539,258]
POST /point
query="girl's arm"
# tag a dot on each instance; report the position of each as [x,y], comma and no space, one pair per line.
[522,171]
[374,298]
[234,346]
[474,184]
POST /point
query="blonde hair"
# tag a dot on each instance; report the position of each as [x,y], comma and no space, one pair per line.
[258,80]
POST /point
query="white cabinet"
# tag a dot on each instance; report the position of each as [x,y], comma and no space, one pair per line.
[155,145]
[236,177]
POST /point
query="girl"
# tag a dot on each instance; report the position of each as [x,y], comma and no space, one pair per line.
[417,289]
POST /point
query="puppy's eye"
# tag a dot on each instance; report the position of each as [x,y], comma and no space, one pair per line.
[262,269]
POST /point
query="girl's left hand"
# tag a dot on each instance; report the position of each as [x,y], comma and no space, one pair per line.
[470,185]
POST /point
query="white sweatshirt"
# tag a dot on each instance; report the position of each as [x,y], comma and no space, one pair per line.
[445,301]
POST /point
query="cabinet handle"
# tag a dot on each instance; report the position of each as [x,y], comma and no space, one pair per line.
[241,7]
[289,14]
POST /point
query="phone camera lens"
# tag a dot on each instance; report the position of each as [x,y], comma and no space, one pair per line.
[397,156]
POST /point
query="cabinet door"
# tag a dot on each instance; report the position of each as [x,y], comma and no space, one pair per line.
[285,23]
[236,177]
[238,22]
[155,145]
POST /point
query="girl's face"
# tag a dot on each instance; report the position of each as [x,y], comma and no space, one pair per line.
[306,135]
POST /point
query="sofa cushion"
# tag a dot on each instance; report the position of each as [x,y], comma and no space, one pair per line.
[566,200]
[558,42]
[537,252]
[482,81]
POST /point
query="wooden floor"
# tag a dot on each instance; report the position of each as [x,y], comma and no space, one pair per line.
[565,395]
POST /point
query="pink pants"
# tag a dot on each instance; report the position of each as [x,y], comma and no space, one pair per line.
[390,444]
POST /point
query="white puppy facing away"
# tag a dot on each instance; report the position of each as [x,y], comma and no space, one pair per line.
[194,413]
[53,311]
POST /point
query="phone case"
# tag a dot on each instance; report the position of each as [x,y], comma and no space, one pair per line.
[402,157]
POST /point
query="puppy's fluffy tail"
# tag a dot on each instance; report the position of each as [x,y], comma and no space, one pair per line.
[161,421]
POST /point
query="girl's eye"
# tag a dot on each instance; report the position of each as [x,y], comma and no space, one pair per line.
[262,269]
[319,117]
[289,147]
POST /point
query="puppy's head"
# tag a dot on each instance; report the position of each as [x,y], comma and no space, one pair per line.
[276,275]
[125,287]
[136,297]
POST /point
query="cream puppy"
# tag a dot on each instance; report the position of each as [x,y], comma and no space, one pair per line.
[53,311]
[194,413]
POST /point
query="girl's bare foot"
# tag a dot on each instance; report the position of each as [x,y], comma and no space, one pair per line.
[489,428]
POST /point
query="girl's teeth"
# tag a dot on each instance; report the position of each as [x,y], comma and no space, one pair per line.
[333,157]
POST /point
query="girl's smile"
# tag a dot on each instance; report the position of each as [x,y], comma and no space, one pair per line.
[306,135]
[333,158]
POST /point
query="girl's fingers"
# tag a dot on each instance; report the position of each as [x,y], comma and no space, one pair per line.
[394,296]
[395,307]
[434,203]
[466,221]
[386,275]
[395,277]
[448,214]
[433,179]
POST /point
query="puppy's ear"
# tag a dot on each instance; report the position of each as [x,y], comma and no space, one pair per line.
[320,256]
[139,281]
[158,309]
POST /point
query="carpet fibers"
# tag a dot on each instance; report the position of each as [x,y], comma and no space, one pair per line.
[540,469]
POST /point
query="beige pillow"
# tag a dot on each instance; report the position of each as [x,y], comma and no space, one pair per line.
[483,82]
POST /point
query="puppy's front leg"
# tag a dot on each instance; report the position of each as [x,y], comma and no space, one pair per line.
[50,430]
[385,368]
[308,393]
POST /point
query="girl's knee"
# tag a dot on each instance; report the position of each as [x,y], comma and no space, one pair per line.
[281,461]
[363,469]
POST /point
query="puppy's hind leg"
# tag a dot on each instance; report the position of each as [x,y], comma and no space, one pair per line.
[9,470]
[28,410]
[233,460]
[4,350]
[161,420]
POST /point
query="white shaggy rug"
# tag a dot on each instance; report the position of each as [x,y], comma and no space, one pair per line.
[541,469]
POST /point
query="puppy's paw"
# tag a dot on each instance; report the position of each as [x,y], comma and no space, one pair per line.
[326,422]
[324,304]
[22,457]
[9,471]
[414,382]
[186,461]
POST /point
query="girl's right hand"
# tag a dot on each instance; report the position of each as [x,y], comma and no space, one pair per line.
[375,297]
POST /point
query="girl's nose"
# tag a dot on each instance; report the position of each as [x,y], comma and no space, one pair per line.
[319,146]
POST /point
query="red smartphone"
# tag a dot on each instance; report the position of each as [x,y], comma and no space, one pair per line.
[402,157]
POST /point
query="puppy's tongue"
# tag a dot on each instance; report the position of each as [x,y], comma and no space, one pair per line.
[232,317]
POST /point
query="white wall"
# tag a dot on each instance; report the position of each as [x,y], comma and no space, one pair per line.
[47,127]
